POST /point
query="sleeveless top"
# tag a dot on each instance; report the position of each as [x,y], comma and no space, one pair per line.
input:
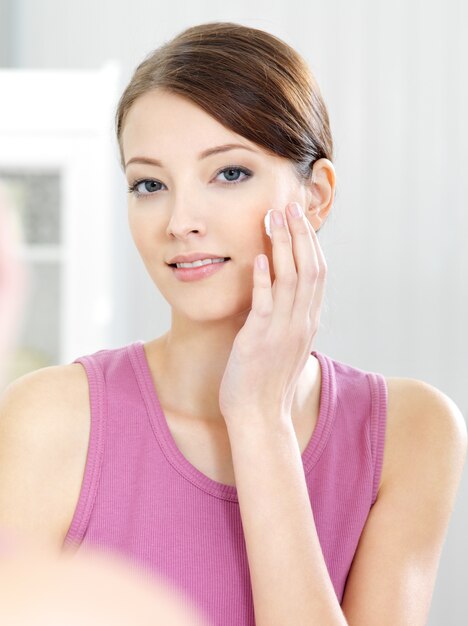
[143,500]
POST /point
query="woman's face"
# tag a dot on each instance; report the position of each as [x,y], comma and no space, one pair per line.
[188,203]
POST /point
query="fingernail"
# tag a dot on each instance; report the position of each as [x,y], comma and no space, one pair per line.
[278,218]
[262,262]
[295,209]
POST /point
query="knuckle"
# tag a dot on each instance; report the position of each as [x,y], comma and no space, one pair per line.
[288,279]
[322,273]
[309,276]
[262,310]
[284,237]
[302,230]
[314,319]
[296,334]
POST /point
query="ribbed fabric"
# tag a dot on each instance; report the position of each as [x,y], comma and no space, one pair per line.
[142,499]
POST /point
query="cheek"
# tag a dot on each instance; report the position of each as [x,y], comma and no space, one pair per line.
[136,232]
[142,229]
[133,219]
[253,237]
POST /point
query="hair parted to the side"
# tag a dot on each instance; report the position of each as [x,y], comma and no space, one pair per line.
[249,80]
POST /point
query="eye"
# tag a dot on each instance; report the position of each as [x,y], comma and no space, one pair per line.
[144,187]
[233,170]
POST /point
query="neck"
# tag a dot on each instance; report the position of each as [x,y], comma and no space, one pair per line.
[188,368]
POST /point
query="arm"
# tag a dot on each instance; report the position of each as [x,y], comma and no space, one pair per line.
[394,569]
[42,435]
[393,573]
[290,581]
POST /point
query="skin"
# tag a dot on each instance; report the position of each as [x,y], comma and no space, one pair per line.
[195,207]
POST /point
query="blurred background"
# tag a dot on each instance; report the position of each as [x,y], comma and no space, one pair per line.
[394,78]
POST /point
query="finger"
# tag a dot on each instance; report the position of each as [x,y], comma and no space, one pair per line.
[262,297]
[320,254]
[284,286]
[317,299]
[307,264]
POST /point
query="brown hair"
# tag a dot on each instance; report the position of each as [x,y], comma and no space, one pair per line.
[250,81]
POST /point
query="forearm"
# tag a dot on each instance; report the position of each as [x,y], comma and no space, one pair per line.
[290,581]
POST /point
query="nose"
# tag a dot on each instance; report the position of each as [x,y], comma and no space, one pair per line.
[185,217]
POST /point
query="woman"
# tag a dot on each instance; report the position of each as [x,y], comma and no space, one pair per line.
[269,482]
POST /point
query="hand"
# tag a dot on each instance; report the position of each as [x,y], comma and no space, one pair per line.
[272,348]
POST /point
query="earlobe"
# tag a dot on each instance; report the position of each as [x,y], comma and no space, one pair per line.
[315,219]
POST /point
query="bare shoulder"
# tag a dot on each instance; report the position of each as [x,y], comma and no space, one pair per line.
[400,546]
[46,383]
[425,429]
[44,435]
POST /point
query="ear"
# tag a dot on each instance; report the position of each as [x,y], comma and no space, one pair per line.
[321,192]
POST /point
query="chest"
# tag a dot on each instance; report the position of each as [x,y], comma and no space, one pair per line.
[207,447]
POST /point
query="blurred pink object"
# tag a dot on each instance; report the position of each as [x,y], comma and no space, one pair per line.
[14,280]
[38,586]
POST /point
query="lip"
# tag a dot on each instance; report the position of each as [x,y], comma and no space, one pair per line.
[195,256]
[188,274]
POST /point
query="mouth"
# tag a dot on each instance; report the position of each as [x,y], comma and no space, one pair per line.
[174,265]
[189,274]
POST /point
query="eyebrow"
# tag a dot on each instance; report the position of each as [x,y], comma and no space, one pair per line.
[206,153]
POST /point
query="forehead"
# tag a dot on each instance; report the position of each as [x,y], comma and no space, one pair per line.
[168,118]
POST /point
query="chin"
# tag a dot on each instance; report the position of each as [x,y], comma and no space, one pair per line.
[220,308]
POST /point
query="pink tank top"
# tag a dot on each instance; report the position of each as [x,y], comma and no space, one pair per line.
[142,499]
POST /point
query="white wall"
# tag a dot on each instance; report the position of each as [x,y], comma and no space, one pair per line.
[393,74]
[5,39]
